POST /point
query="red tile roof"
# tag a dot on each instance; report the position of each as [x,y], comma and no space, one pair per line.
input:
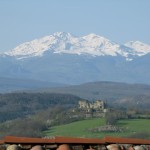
[13,139]
[73,140]
[125,140]
[2,142]
[78,140]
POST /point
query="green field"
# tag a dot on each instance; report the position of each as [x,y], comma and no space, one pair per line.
[81,128]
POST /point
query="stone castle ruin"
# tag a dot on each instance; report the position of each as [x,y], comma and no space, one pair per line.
[90,109]
[96,106]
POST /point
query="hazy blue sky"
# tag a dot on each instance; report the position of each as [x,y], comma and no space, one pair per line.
[117,20]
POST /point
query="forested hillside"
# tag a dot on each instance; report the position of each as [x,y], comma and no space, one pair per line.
[14,105]
[115,93]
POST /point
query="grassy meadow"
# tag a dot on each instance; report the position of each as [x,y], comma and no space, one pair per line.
[81,128]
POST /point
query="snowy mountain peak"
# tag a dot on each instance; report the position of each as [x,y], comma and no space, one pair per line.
[62,34]
[91,44]
[92,35]
[95,37]
[138,47]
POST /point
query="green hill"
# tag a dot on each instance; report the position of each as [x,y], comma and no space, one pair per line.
[131,128]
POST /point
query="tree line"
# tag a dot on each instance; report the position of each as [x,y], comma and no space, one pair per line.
[16,105]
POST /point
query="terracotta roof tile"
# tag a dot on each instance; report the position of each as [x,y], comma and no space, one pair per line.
[1,141]
[126,140]
[78,140]
[73,140]
[12,139]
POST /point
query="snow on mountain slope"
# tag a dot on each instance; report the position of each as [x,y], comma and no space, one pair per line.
[92,44]
[62,42]
[138,47]
[34,48]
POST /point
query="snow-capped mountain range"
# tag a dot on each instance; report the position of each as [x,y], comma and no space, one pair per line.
[64,58]
[92,44]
